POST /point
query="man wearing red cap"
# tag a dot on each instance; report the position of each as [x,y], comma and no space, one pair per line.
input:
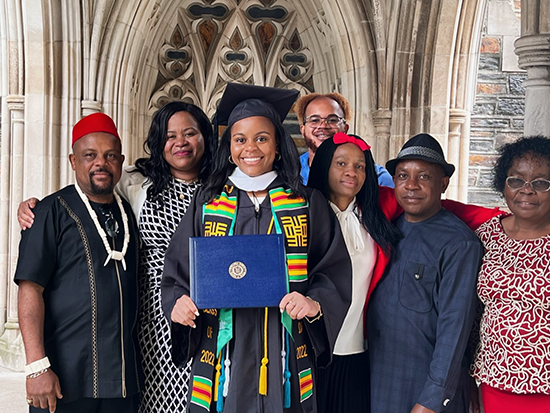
[77,277]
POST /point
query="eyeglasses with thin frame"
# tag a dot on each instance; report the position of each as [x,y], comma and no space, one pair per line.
[539,184]
[332,121]
[111,224]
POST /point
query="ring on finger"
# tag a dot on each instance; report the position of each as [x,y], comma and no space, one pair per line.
[29,401]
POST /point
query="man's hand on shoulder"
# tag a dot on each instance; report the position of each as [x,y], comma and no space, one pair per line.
[418,408]
[25,216]
[44,390]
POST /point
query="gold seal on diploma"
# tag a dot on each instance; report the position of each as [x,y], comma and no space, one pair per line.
[237,270]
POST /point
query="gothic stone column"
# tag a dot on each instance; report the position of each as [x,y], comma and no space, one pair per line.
[533,50]
[457,154]
[382,126]
[11,343]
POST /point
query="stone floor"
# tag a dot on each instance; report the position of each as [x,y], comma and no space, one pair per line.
[12,392]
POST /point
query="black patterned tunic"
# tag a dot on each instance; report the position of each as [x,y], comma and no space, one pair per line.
[165,384]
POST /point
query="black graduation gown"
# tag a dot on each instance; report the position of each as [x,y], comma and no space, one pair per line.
[329,283]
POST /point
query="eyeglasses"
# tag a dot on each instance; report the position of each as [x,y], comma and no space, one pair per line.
[111,224]
[332,121]
[539,185]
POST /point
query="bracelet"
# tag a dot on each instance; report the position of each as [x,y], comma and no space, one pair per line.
[319,314]
[38,373]
[37,366]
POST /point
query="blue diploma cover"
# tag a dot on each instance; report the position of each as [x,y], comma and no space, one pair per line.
[237,271]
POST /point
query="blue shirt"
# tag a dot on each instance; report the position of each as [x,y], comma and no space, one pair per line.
[384,177]
[420,316]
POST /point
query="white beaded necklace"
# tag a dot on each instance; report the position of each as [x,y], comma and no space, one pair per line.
[115,255]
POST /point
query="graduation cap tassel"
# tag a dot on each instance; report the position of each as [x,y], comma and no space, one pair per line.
[217,377]
[265,360]
[227,364]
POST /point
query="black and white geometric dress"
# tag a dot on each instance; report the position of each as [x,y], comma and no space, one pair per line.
[165,384]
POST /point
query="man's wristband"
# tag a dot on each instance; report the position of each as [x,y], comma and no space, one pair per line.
[37,366]
[35,375]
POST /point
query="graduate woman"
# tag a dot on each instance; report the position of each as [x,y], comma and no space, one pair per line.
[343,170]
[265,358]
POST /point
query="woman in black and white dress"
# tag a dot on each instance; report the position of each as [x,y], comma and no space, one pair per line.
[160,187]
[180,145]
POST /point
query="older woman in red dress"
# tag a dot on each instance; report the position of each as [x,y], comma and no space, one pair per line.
[513,357]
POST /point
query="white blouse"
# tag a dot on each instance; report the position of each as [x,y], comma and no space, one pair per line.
[362,250]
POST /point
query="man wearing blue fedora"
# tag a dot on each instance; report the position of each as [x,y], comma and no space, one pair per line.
[421,313]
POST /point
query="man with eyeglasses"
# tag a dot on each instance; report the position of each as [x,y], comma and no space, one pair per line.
[321,116]
[77,277]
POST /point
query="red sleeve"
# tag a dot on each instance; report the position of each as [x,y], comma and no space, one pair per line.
[472,215]
[388,203]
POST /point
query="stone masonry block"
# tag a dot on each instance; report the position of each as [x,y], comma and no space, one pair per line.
[485,178]
[472,176]
[484,109]
[511,106]
[481,134]
[518,123]
[504,138]
[489,62]
[490,45]
[490,123]
[481,145]
[491,88]
[492,77]
[485,198]
[516,84]
[501,19]
[483,160]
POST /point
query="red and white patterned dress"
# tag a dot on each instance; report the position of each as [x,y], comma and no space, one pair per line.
[514,285]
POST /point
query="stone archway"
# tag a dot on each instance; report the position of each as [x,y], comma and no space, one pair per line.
[65,60]
[204,44]
[405,66]
[425,68]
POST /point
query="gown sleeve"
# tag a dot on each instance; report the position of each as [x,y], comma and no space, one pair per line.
[388,203]
[471,215]
[175,282]
[329,277]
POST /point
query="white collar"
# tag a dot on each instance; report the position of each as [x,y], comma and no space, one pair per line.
[252,183]
[351,226]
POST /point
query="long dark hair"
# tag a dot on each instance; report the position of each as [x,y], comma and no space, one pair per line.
[155,167]
[287,165]
[373,219]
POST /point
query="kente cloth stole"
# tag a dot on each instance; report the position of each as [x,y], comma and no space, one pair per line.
[290,218]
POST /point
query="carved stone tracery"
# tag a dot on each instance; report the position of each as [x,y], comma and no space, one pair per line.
[213,43]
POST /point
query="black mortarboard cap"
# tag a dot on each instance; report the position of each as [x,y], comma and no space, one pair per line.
[241,101]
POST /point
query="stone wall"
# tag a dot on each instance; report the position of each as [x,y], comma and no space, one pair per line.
[500,98]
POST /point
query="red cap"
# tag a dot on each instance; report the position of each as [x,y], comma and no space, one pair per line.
[96,122]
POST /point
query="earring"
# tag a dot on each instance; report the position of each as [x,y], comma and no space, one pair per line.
[279,156]
[231,160]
